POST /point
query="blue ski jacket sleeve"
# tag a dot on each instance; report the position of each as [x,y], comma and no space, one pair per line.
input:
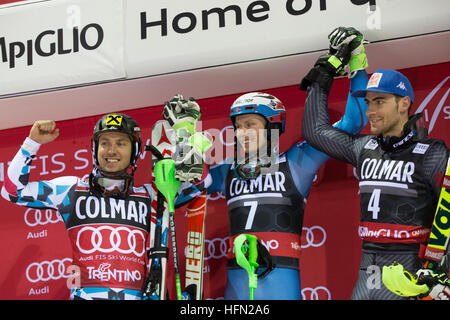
[304,160]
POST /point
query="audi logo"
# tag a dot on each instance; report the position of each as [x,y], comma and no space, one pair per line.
[34,217]
[317,293]
[314,236]
[216,248]
[95,239]
[48,270]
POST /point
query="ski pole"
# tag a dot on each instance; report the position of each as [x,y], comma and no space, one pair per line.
[167,184]
[250,264]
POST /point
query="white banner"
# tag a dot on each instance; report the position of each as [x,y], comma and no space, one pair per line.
[63,43]
[177,35]
[60,43]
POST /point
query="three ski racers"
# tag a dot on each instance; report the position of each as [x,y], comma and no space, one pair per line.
[265,189]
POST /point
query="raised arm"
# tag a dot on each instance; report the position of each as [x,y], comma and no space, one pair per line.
[321,135]
[316,127]
[355,118]
[306,160]
[39,194]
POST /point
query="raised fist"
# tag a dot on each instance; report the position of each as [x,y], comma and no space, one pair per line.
[44,131]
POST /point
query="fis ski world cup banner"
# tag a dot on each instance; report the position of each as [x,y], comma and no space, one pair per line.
[37,261]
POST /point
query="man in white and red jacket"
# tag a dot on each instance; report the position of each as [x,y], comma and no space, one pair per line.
[106,216]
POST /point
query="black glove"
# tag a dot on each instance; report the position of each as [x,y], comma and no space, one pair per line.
[345,35]
[326,68]
[188,163]
[182,113]
[436,277]
[355,40]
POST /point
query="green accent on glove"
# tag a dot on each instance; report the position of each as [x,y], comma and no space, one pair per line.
[188,125]
[337,65]
[401,282]
[200,142]
[335,62]
[358,61]
[355,43]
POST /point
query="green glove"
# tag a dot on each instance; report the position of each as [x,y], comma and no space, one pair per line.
[326,68]
[355,41]
[181,113]
[189,162]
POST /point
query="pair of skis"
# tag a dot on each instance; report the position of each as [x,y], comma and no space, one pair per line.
[165,187]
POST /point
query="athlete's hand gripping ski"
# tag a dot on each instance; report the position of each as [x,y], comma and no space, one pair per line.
[178,160]
[163,146]
[183,115]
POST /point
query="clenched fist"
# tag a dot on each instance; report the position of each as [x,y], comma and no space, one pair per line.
[44,131]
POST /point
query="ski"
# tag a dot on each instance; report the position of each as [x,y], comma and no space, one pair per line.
[401,282]
[195,230]
[440,230]
[163,145]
